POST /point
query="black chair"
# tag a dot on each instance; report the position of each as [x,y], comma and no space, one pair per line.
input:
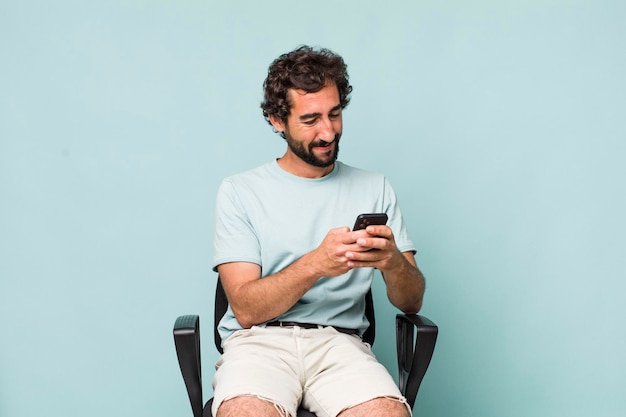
[414,349]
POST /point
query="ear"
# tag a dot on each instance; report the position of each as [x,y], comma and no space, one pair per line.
[277,123]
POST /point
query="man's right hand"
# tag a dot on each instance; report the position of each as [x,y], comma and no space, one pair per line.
[255,300]
[329,258]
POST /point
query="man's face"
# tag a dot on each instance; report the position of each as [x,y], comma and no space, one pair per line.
[314,126]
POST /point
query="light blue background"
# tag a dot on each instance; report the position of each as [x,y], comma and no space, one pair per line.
[500,123]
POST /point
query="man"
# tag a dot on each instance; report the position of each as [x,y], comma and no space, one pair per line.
[294,273]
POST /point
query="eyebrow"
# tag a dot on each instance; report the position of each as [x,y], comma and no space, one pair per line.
[314,115]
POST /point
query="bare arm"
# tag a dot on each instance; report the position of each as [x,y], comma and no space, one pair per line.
[255,300]
[405,283]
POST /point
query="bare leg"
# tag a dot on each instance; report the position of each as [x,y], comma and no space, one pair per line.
[249,406]
[378,407]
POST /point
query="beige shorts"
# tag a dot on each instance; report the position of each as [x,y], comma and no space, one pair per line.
[323,369]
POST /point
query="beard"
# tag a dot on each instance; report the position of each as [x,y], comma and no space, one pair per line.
[307,155]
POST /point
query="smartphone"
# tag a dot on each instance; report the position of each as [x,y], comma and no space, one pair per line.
[366,219]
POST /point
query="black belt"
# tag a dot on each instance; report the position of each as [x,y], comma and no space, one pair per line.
[310,326]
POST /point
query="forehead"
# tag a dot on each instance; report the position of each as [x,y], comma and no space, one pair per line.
[322,101]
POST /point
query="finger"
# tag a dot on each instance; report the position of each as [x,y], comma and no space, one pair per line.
[382,231]
[351,237]
[339,230]
[361,264]
[366,256]
[372,242]
[354,235]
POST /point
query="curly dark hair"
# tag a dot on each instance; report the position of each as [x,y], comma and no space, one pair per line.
[304,68]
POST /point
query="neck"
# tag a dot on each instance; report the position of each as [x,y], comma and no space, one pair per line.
[302,169]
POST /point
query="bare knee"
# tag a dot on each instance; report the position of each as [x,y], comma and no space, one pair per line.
[250,406]
[379,407]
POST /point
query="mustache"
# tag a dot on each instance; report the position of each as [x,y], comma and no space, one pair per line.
[324,143]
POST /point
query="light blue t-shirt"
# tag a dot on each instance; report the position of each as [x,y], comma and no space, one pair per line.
[270,217]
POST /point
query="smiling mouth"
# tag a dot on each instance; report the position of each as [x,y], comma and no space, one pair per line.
[323,144]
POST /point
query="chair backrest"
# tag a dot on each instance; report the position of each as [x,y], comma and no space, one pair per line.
[221,305]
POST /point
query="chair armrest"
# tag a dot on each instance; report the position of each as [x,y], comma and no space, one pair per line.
[413,360]
[187,341]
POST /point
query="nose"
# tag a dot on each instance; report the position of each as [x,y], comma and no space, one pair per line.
[328,130]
